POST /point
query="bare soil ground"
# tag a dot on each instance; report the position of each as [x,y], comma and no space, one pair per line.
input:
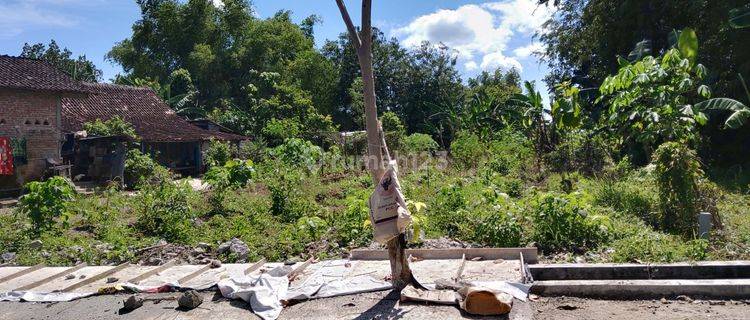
[377,305]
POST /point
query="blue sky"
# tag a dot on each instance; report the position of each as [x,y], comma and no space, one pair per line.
[486,34]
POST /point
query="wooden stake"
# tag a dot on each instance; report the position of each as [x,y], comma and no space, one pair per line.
[255,266]
[150,273]
[50,278]
[196,273]
[97,277]
[297,271]
[21,273]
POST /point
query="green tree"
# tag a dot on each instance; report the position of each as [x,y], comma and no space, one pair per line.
[79,68]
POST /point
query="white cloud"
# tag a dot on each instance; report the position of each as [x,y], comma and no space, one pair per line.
[17,16]
[527,51]
[479,33]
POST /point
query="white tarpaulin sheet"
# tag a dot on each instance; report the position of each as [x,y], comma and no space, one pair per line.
[29,296]
[263,292]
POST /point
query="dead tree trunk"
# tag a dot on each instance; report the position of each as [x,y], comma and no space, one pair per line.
[362,42]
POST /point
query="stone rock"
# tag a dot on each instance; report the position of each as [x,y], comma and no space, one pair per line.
[70,277]
[83,276]
[131,303]
[204,246]
[155,261]
[235,246]
[77,249]
[215,264]
[189,300]
[112,280]
[684,298]
[36,244]
[8,256]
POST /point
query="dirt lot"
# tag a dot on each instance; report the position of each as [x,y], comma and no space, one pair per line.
[378,305]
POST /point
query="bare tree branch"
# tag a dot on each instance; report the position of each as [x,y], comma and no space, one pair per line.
[349,25]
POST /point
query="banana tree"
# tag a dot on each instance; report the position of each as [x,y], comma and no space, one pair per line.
[739,111]
[534,121]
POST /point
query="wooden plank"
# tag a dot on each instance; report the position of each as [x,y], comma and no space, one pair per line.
[97,277]
[297,271]
[255,266]
[529,254]
[196,273]
[52,277]
[150,273]
[21,273]
[526,276]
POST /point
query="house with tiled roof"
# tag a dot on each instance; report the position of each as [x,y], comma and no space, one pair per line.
[171,139]
[31,94]
[42,109]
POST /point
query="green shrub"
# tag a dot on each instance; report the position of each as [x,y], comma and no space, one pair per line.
[298,153]
[468,150]
[218,153]
[46,201]
[288,201]
[232,174]
[115,126]
[278,131]
[498,229]
[630,197]
[141,168]
[394,130]
[560,224]
[579,152]
[313,226]
[164,211]
[447,211]
[677,173]
[420,142]
[513,187]
[647,246]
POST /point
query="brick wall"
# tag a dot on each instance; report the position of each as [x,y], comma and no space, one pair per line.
[36,117]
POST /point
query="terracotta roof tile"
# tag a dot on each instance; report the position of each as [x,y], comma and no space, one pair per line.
[33,74]
[153,119]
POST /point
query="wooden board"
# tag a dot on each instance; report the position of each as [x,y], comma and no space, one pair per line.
[529,254]
[50,278]
[21,273]
[97,277]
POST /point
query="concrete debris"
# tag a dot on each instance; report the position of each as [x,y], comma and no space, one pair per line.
[70,277]
[717,302]
[235,246]
[8,256]
[215,264]
[83,276]
[189,300]
[112,280]
[131,303]
[36,244]
[664,301]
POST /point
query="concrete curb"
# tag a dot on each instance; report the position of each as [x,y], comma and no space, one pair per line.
[644,289]
[694,271]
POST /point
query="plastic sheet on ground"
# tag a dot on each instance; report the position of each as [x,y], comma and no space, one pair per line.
[263,292]
[29,296]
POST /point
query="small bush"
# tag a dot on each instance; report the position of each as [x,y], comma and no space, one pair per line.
[298,153]
[352,227]
[115,126]
[677,173]
[420,142]
[165,211]
[232,174]
[46,201]
[218,153]
[447,211]
[288,202]
[578,152]
[468,150]
[513,187]
[498,229]
[560,224]
[141,168]
[278,131]
[629,197]
[394,130]
[647,246]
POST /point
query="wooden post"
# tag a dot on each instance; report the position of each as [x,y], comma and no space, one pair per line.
[362,42]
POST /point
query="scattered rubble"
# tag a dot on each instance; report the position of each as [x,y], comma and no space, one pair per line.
[189,300]
[36,244]
[131,303]
[8,256]
[235,246]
